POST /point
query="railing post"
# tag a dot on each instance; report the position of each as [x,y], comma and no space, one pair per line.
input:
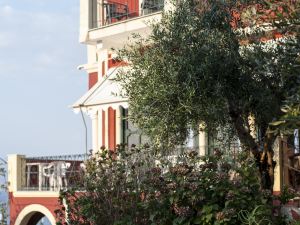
[27,175]
[101,13]
[40,177]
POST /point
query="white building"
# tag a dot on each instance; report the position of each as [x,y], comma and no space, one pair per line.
[105,25]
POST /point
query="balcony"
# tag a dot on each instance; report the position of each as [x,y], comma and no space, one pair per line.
[104,13]
[51,173]
[112,22]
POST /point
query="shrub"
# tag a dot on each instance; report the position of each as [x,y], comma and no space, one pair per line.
[138,186]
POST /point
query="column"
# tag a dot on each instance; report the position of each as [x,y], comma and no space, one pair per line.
[106,127]
[84,22]
[94,117]
[102,60]
[100,56]
[278,170]
[119,125]
[202,139]
[285,151]
[202,143]
[15,173]
[100,131]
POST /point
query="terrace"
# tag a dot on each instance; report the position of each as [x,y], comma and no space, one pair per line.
[110,23]
[105,12]
[55,173]
[51,173]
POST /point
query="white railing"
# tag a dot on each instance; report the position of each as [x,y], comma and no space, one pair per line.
[51,174]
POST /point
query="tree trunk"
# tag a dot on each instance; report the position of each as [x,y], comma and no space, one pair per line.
[264,159]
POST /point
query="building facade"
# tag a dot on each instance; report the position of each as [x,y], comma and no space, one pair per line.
[107,25]
[34,183]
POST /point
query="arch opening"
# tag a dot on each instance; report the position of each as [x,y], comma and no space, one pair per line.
[35,218]
[44,221]
[35,215]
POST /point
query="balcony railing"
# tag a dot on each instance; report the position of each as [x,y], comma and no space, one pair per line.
[52,173]
[108,12]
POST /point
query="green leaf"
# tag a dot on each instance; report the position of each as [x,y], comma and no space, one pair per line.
[197,220]
[209,217]
[276,123]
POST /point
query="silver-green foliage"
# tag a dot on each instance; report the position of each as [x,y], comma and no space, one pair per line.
[191,69]
[290,120]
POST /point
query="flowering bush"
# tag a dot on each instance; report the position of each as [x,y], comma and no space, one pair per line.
[203,190]
[138,186]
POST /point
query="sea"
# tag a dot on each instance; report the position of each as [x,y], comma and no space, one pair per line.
[3,196]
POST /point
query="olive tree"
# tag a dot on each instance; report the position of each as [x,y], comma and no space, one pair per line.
[3,205]
[290,120]
[200,66]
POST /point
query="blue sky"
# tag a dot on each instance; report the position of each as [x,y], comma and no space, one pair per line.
[39,53]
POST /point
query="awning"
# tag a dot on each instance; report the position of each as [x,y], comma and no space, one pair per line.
[106,93]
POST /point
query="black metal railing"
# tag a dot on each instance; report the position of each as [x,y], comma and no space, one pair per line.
[108,12]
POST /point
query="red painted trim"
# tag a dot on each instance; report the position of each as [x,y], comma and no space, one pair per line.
[110,61]
[133,8]
[114,62]
[111,128]
[93,79]
[17,204]
[103,127]
[103,69]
